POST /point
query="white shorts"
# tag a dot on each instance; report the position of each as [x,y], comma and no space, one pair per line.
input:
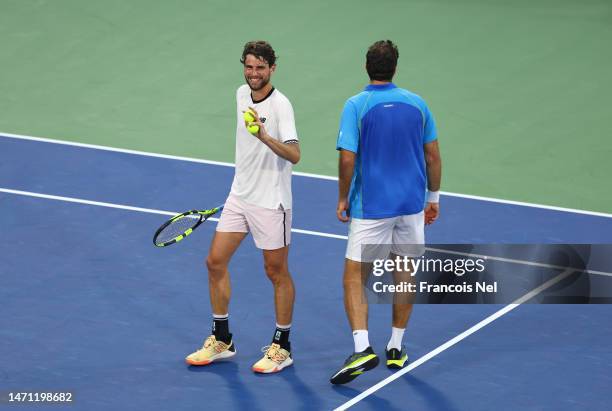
[271,229]
[401,235]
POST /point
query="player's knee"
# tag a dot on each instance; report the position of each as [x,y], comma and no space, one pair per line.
[275,272]
[215,266]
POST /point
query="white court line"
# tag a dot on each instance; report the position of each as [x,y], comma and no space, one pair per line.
[455,340]
[515,261]
[295,230]
[140,209]
[297,173]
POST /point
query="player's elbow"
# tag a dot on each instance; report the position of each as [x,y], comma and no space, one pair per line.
[295,157]
[433,158]
[432,153]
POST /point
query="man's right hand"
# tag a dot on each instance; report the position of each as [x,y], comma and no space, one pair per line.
[342,209]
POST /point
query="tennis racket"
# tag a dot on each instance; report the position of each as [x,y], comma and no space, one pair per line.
[181,225]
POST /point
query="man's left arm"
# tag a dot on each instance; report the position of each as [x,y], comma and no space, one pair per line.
[434,176]
[289,150]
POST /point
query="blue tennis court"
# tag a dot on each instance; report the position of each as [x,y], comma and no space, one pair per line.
[90,306]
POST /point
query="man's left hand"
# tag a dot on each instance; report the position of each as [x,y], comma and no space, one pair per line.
[432,211]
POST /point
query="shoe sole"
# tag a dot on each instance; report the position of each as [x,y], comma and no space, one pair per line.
[395,364]
[280,367]
[349,374]
[220,356]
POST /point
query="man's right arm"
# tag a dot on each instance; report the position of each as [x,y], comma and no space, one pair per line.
[346,166]
[347,144]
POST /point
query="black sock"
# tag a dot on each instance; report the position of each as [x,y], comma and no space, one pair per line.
[281,337]
[220,329]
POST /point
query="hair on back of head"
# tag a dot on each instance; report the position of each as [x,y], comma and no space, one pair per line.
[381,60]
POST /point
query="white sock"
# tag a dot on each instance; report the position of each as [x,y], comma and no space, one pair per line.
[361,340]
[396,338]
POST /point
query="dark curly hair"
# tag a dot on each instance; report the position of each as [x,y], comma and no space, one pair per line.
[260,49]
[381,60]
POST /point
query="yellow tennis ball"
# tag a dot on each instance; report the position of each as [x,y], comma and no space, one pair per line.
[254,129]
[249,117]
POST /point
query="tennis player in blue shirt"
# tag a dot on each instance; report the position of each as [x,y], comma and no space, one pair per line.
[389,177]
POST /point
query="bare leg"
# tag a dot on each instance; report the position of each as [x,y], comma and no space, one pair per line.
[355,302]
[277,269]
[222,248]
[402,302]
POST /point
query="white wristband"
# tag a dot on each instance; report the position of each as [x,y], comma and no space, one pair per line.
[433,197]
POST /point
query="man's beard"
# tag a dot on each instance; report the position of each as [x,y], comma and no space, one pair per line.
[264,82]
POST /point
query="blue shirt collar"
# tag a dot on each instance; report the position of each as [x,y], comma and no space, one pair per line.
[380,87]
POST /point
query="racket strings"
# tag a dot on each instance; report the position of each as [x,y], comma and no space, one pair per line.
[177,228]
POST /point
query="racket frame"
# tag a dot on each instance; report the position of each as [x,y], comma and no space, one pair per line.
[203,216]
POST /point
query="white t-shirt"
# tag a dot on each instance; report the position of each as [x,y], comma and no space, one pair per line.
[263,178]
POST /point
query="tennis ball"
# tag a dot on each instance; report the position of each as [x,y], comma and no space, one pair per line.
[249,117]
[254,129]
